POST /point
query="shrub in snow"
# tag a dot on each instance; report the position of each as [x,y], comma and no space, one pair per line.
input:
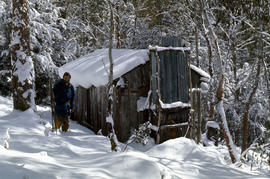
[6,144]
[48,128]
[204,87]
[99,132]
[212,133]
[142,134]
[257,156]
[6,139]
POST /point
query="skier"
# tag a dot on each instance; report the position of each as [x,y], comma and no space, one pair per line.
[64,101]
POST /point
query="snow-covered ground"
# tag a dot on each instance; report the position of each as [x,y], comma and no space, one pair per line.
[82,154]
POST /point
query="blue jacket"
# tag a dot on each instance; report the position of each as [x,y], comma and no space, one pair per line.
[60,92]
[71,97]
[60,96]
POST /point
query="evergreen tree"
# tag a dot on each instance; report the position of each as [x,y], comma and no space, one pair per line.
[23,76]
[5,34]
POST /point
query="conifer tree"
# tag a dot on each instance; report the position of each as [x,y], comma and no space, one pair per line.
[23,75]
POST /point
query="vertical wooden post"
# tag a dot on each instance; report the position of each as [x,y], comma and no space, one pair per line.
[159,98]
[191,101]
[199,117]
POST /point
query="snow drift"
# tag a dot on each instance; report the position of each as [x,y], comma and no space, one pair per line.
[82,154]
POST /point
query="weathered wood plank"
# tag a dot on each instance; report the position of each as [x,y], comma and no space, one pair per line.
[104,103]
[174,125]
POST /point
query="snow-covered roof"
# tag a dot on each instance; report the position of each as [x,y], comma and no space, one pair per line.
[199,71]
[90,69]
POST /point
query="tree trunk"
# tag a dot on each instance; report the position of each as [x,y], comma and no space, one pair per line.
[210,70]
[219,94]
[23,75]
[267,77]
[197,47]
[109,119]
[135,28]
[234,56]
[247,105]
[198,93]
[117,28]
[234,59]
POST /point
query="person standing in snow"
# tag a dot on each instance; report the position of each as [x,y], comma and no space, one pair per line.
[71,100]
[64,101]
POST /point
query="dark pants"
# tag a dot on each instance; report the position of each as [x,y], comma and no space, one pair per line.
[61,118]
[62,121]
[71,116]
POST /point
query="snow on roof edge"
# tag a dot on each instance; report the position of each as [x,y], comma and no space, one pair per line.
[200,71]
[92,69]
[158,48]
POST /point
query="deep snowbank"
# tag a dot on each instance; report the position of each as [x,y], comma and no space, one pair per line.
[77,154]
[81,154]
[185,159]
